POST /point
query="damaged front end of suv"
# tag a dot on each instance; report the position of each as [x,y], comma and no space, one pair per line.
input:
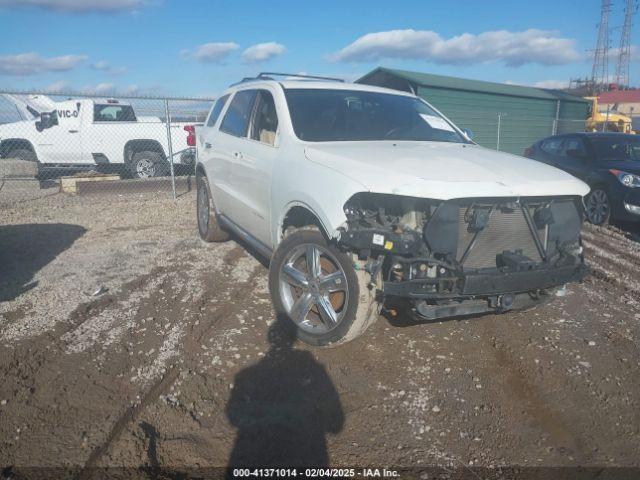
[468,255]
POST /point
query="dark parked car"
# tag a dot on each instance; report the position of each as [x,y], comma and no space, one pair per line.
[608,162]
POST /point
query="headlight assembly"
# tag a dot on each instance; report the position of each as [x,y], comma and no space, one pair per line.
[627,179]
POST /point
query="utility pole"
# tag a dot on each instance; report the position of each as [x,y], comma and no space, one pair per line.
[600,70]
[624,52]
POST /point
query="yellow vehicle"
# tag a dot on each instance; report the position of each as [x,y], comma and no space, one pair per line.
[605,119]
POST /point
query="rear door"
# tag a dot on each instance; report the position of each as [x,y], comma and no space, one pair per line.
[574,156]
[550,150]
[225,146]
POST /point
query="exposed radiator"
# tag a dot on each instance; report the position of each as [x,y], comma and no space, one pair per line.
[506,229]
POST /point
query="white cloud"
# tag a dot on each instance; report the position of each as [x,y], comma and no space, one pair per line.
[552,84]
[213,52]
[513,48]
[57,87]
[107,88]
[76,6]
[100,89]
[33,64]
[106,67]
[262,52]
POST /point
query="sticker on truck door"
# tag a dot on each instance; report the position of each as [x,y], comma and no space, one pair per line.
[437,122]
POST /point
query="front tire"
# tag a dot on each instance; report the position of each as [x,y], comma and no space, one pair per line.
[598,207]
[316,287]
[208,226]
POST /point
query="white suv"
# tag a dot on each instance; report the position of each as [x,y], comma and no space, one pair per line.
[364,197]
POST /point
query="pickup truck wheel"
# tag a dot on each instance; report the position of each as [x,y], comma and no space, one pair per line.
[598,207]
[208,226]
[316,287]
[146,165]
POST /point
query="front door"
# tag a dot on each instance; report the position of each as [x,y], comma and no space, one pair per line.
[257,155]
[62,143]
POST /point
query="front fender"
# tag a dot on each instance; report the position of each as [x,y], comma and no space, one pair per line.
[321,190]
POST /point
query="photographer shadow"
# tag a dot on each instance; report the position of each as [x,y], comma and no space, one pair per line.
[283,407]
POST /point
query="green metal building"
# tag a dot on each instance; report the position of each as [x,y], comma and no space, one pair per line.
[506,117]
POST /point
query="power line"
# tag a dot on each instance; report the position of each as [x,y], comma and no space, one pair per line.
[600,70]
[624,52]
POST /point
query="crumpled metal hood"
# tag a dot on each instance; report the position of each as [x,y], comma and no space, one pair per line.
[443,170]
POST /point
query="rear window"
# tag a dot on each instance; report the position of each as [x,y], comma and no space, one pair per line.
[236,120]
[217,108]
[113,113]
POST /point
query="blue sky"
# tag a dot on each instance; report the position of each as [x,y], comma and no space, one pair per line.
[199,47]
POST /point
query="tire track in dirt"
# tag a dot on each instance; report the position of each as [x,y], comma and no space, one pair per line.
[612,257]
[529,396]
[130,415]
[205,326]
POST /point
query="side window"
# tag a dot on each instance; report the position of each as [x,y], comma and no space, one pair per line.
[265,123]
[551,146]
[113,113]
[574,143]
[236,120]
[217,108]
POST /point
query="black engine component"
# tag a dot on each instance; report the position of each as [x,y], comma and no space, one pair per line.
[478,220]
[542,217]
[373,239]
[441,232]
[514,261]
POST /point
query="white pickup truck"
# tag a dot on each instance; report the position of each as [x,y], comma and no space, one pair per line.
[106,133]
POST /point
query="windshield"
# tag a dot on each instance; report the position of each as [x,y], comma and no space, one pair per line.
[351,115]
[617,148]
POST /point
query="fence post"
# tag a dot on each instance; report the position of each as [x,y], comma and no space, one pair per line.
[170,145]
[555,120]
[498,134]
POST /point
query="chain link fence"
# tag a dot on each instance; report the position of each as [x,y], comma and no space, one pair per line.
[75,143]
[513,134]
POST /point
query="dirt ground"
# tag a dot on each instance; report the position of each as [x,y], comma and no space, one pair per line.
[179,362]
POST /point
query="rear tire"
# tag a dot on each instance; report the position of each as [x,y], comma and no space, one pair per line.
[598,207]
[208,226]
[147,164]
[315,286]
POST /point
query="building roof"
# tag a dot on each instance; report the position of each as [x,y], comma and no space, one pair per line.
[456,83]
[620,96]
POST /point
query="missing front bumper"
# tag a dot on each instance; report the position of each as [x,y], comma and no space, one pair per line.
[490,283]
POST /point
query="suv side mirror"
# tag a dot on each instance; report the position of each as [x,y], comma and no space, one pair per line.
[47,120]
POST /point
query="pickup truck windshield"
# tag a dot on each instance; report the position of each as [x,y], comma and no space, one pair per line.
[350,115]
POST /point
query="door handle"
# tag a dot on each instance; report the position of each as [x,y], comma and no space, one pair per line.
[207,145]
[73,131]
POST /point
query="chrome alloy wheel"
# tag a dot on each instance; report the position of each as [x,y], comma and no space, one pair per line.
[597,207]
[313,288]
[145,168]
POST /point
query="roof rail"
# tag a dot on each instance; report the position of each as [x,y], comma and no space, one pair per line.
[269,75]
